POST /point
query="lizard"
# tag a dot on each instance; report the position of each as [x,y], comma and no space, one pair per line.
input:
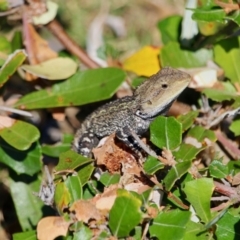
[131,116]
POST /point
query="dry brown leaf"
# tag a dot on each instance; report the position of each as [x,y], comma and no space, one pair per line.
[105,201]
[58,114]
[37,48]
[84,211]
[236,179]
[6,122]
[49,228]
[113,155]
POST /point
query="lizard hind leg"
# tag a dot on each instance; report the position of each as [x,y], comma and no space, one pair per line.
[85,143]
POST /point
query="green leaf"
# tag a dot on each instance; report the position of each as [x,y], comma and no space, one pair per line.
[17,41]
[200,134]
[27,206]
[5,49]
[228,227]
[62,197]
[82,88]
[187,120]
[219,95]
[108,179]
[227,54]
[235,127]
[172,55]
[170,225]
[152,165]
[22,162]
[214,15]
[218,169]
[74,186]
[53,69]
[125,214]
[85,172]
[195,231]
[29,235]
[11,65]
[170,28]
[234,16]
[20,135]
[84,233]
[57,149]
[176,173]
[186,152]
[166,132]
[199,193]
[70,160]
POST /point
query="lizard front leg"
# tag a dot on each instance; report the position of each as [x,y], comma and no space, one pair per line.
[84,143]
[131,139]
[125,135]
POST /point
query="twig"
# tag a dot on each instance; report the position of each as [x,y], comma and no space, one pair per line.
[227,114]
[228,7]
[228,145]
[70,44]
[17,111]
[225,190]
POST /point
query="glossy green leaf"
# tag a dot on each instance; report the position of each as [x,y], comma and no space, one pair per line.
[125,214]
[84,233]
[187,119]
[82,88]
[11,65]
[17,41]
[170,225]
[53,69]
[186,152]
[235,127]
[195,231]
[200,134]
[199,193]
[62,197]
[152,165]
[234,16]
[170,28]
[85,172]
[219,95]
[228,227]
[166,132]
[5,49]
[4,5]
[172,55]
[24,199]
[29,235]
[213,15]
[74,186]
[22,162]
[20,135]
[57,149]
[218,169]
[176,173]
[227,54]
[70,160]
[108,179]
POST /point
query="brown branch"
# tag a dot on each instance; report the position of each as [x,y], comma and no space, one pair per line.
[70,44]
[228,7]
[225,190]
[228,145]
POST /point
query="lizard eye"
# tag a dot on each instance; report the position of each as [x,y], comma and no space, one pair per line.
[139,113]
[164,86]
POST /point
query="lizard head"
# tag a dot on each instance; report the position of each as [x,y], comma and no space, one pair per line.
[155,95]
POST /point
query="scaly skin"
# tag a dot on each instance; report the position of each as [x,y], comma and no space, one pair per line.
[133,113]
